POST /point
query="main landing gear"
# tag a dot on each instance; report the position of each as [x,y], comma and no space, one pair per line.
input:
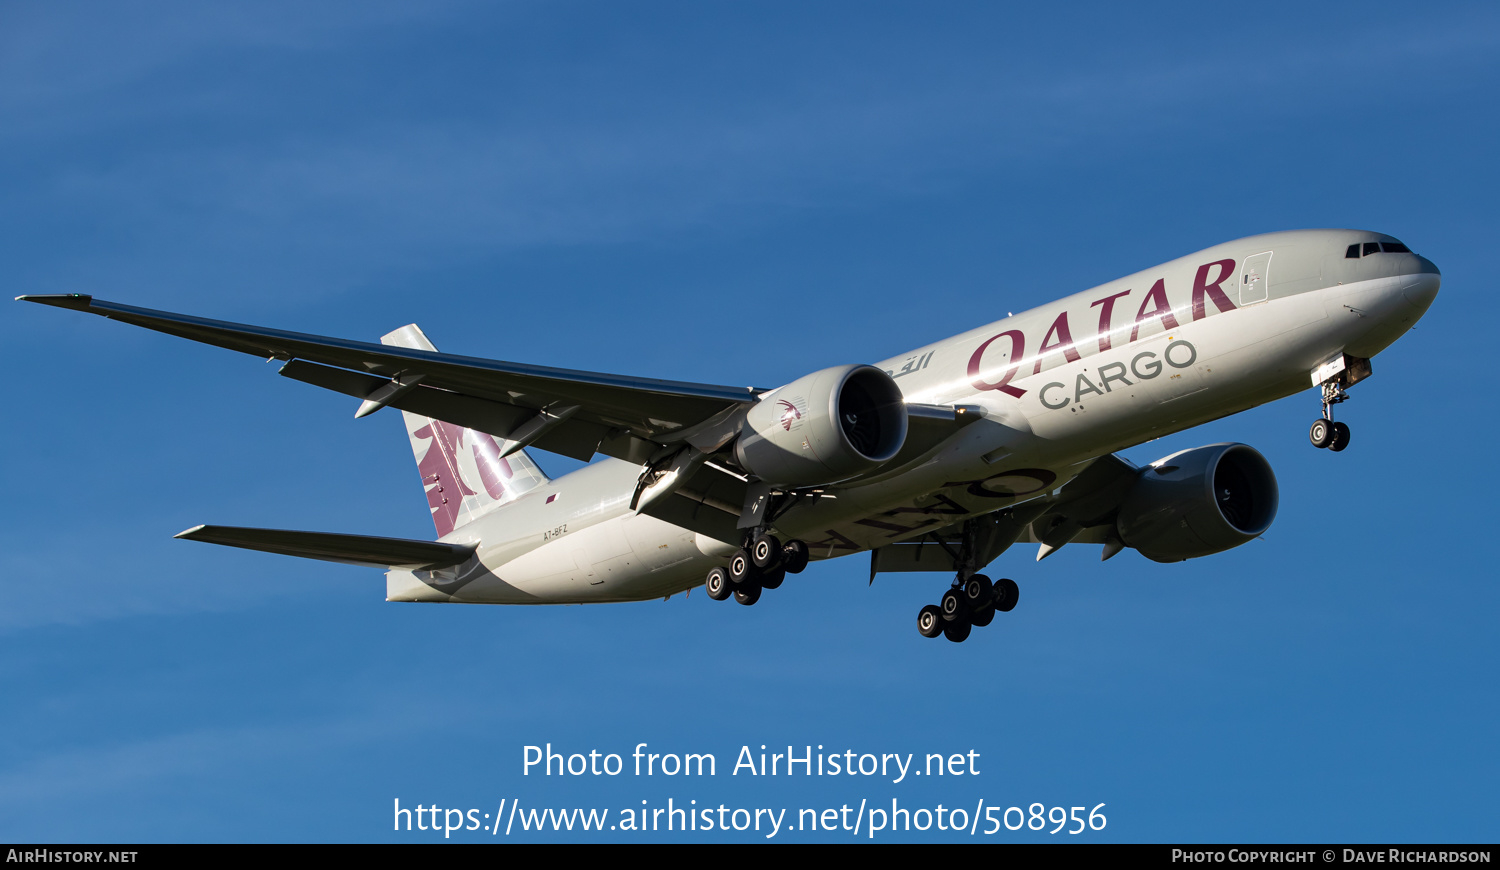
[974,599]
[971,602]
[1325,432]
[762,564]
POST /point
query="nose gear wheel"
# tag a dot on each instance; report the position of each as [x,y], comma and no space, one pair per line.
[1325,433]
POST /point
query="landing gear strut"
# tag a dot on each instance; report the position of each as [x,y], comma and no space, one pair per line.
[761,564]
[1325,432]
[973,600]
[1337,375]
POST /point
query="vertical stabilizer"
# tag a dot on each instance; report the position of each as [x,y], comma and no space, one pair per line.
[462,470]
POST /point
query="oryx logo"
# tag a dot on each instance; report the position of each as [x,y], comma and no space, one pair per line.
[442,467]
[789,414]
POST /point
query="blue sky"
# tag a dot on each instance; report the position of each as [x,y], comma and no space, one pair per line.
[738,195]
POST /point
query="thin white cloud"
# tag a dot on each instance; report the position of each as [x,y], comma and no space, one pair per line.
[72,774]
[58,52]
[293,207]
[52,581]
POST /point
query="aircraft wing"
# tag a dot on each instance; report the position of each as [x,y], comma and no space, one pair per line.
[577,413]
[1082,512]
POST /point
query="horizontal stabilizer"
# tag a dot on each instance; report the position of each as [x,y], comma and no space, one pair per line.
[349,549]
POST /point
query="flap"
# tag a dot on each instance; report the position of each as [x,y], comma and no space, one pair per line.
[577,439]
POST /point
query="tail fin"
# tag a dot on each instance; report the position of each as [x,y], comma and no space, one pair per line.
[452,458]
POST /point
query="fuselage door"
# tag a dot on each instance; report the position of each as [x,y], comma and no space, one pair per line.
[1255,282]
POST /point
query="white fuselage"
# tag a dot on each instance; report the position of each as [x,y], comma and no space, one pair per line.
[1165,349]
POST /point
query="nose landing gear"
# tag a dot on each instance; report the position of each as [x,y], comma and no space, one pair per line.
[1333,378]
[1325,432]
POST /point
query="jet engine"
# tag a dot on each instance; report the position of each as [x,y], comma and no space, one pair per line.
[823,428]
[1199,502]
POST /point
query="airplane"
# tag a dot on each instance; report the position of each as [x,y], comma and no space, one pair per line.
[935,460]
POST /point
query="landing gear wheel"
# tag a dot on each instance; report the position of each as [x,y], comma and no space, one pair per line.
[930,621]
[1340,437]
[718,585]
[953,607]
[765,552]
[1321,433]
[1007,593]
[741,569]
[958,632]
[977,590]
[983,616]
[747,593]
[794,557]
[772,578]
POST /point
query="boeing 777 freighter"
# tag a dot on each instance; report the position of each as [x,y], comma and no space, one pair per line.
[934,460]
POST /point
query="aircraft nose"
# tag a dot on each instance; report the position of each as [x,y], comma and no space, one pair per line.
[1422,287]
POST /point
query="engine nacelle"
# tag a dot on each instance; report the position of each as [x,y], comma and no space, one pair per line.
[1199,502]
[823,428]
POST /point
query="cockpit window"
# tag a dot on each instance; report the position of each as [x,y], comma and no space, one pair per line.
[1368,248]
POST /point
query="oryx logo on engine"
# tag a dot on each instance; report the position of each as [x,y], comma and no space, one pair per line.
[789,414]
